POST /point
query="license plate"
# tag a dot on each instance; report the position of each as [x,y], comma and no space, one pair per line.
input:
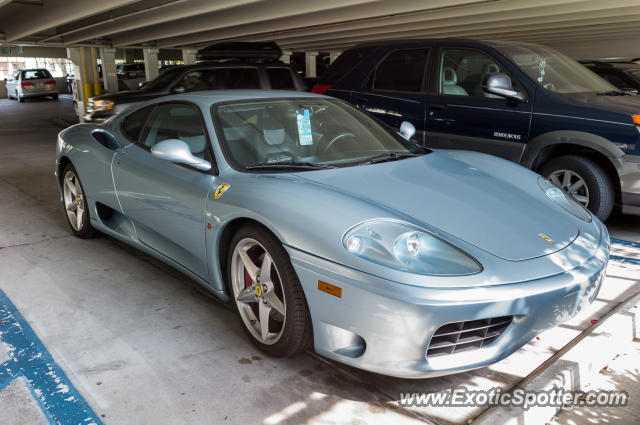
[39,85]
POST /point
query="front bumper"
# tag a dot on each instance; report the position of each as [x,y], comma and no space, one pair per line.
[385,327]
[630,184]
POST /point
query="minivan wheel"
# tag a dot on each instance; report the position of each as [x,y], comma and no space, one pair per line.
[583,179]
[267,294]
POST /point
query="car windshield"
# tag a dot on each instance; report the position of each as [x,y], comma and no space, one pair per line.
[284,134]
[162,81]
[555,71]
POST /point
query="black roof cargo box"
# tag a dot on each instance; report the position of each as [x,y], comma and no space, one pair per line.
[240,50]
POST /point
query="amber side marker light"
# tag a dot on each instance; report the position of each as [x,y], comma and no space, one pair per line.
[636,119]
[336,291]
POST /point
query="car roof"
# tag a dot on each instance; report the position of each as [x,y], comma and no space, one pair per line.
[210,97]
[627,66]
[225,64]
[452,40]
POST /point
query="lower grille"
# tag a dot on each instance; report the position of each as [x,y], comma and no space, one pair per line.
[470,335]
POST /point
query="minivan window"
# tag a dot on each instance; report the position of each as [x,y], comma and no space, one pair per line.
[280,79]
[402,70]
[345,63]
[555,71]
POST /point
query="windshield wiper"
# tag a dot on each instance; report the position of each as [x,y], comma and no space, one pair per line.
[388,156]
[294,165]
[612,93]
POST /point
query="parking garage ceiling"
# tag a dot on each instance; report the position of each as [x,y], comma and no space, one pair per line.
[312,25]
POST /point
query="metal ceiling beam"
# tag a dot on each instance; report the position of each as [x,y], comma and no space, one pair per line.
[292,15]
[28,20]
[480,30]
[522,18]
[156,16]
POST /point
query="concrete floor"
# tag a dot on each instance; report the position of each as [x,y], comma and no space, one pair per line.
[142,344]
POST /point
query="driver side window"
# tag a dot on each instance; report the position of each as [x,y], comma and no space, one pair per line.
[461,72]
[175,121]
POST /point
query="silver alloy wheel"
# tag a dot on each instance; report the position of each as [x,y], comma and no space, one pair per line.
[257,290]
[73,200]
[572,183]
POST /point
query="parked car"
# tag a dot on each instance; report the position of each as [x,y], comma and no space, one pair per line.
[30,83]
[623,75]
[224,66]
[322,228]
[524,102]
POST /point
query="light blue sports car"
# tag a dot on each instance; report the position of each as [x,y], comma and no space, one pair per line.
[325,229]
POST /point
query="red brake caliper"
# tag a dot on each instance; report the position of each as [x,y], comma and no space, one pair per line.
[247,279]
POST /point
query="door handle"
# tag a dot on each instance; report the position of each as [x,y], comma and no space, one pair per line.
[361,100]
[437,107]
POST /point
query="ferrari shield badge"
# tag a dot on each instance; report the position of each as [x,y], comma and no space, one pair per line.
[220,190]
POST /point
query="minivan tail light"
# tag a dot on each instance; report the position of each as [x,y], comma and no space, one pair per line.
[320,89]
[29,83]
[50,82]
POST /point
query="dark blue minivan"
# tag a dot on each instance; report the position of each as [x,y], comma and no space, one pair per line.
[524,102]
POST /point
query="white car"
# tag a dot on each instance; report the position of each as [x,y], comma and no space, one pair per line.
[29,83]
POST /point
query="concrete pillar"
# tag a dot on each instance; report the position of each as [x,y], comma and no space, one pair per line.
[333,56]
[97,87]
[77,55]
[189,56]
[310,64]
[286,56]
[109,77]
[150,63]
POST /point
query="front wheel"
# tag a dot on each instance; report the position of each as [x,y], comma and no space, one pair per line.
[267,294]
[75,204]
[583,179]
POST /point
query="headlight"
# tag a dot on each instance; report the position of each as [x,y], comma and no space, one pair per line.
[102,105]
[405,247]
[560,197]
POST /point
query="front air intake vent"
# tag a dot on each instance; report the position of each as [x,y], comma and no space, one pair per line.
[470,335]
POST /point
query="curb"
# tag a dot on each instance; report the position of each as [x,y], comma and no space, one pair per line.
[572,366]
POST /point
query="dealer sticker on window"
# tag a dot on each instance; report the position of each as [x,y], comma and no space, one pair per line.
[304,128]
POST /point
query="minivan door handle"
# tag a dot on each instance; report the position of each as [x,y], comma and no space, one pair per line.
[437,107]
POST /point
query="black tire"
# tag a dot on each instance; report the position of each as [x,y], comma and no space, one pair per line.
[297,333]
[598,182]
[54,97]
[20,99]
[85,231]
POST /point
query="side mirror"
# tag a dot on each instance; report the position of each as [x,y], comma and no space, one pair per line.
[175,150]
[500,84]
[407,130]
[178,89]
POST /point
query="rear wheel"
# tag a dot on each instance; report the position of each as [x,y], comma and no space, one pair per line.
[583,179]
[54,97]
[75,204]
[267,294]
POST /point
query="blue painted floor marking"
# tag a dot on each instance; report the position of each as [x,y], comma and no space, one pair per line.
[625,242]
[59,401]
[626,260]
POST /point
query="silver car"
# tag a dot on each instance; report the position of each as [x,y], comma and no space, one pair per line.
[29,83]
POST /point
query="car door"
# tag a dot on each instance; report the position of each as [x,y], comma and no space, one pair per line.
[461,116]
[165,201]
[394,90]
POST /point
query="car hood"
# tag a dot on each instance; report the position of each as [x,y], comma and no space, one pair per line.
[621,104]
[488,202]
[128,96]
